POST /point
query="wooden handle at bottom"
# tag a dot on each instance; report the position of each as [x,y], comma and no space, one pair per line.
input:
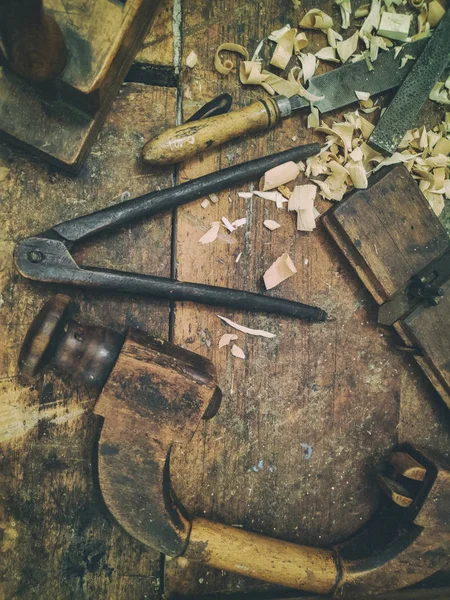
[268,559]
[185,141]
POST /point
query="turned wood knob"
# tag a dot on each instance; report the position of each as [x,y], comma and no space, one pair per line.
[32,39]
[88,353]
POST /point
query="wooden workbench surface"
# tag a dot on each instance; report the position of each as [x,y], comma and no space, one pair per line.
[307,419]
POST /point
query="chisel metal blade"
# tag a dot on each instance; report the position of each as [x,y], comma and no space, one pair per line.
[338,86]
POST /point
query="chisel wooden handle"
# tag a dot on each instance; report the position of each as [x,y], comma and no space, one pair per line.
[178,143]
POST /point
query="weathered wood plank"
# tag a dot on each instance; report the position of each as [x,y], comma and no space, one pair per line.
[308,418]
[56,536]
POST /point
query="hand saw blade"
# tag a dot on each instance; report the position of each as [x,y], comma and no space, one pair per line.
[338,86]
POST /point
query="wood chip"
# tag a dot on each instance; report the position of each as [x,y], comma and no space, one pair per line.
[441,147]
[205,203]
[347,47]
[243,329]
[236,48]
[214,198]
[280,175]
[226,339]
[245,195]
[237,352]
[302,201]
[329,54]
[316,19]
[228,225]
[346,12]
[300,42]
[279,271]
[309,65]
[271,225]
[333,37]
[395,26]
[284,49]
[239,222]
[357,174]
[211,234]
[362,95]
[362,11]
[191,60]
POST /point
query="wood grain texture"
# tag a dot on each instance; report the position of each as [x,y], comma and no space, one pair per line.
[308,418]
[57,539]
[158,45]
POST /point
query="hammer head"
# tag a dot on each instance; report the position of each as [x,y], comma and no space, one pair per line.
[156,396]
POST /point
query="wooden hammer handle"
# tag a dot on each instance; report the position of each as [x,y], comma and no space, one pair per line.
[176,144]
[268,559]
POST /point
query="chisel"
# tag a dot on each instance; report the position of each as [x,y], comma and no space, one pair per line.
[337,88]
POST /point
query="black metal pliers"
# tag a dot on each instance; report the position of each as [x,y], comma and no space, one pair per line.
[46,256]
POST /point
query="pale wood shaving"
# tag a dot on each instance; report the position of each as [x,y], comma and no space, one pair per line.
[309,65]
[313,118]
[333,37]
[228,225]
[395,26]
[229,47]
[226,339]
[316,19]
[300,42]
[214,198]
[279,271]
[284,190]
[271,225]
[237,352]
[191,60]
[205,203]
[211,234]
[278,33]
[347,47]
[250,73]
[244,329]
[362,95]
[440,94]
[371,22]
[442,146]
[302,201]
[357,174]
[346,12]
[435,13]
[284,49]
[280,175]
[328,53]
[362,11]
[246,195]
[239,223]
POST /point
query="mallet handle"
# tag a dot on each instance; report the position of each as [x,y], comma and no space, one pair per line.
[268,559]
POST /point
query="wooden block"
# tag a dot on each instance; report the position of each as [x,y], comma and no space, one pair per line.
[60,124]
[390,235]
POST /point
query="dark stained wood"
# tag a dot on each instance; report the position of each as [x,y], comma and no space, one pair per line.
[61,123]
[58,540]
[339,390]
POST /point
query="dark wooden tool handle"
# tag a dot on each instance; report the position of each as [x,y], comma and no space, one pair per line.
[185,141]
[32,39]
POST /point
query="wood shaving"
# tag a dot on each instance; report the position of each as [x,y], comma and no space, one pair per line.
[229,47]
[278,33]
[246,195]
[347,47]
[441,147]
[316,19]
[309,65]
[237,352]
[362,95]
[294,78]
[346,12]
[313,118]
[279,271]
[191,60]
[250,73]
[228,225]
[275,84]
[405,59]
[395,26]
[435,13]
[211,234]
[328,53]
[357,174]
[302,201]
[300,42]
[371,22]
[280,175]
[440,94]
[214,198]
[243,329]
[271,225]
[284,49]
[238,257]
[362,11]
[239,223]
[226,339]
[205,203]
[333,37]
[284,190]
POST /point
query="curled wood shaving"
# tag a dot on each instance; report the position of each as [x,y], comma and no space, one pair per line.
[346,12]
[328,53]
[435,13]
[347,47]
[316,19]
[371,22]
[271,225]
[243,329]
[229,47]
[294,78]
[284,49]
[335,136]
[300,42]
[313,118]
[250,73]
[441,147]
[278,33]
[211,234]
[226,339]
[279,271]
[357,174]
[191,60]
[333,37]
[284,190]
[237,352]
[280,175]
[309,65]
[275,84]
[302,201]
